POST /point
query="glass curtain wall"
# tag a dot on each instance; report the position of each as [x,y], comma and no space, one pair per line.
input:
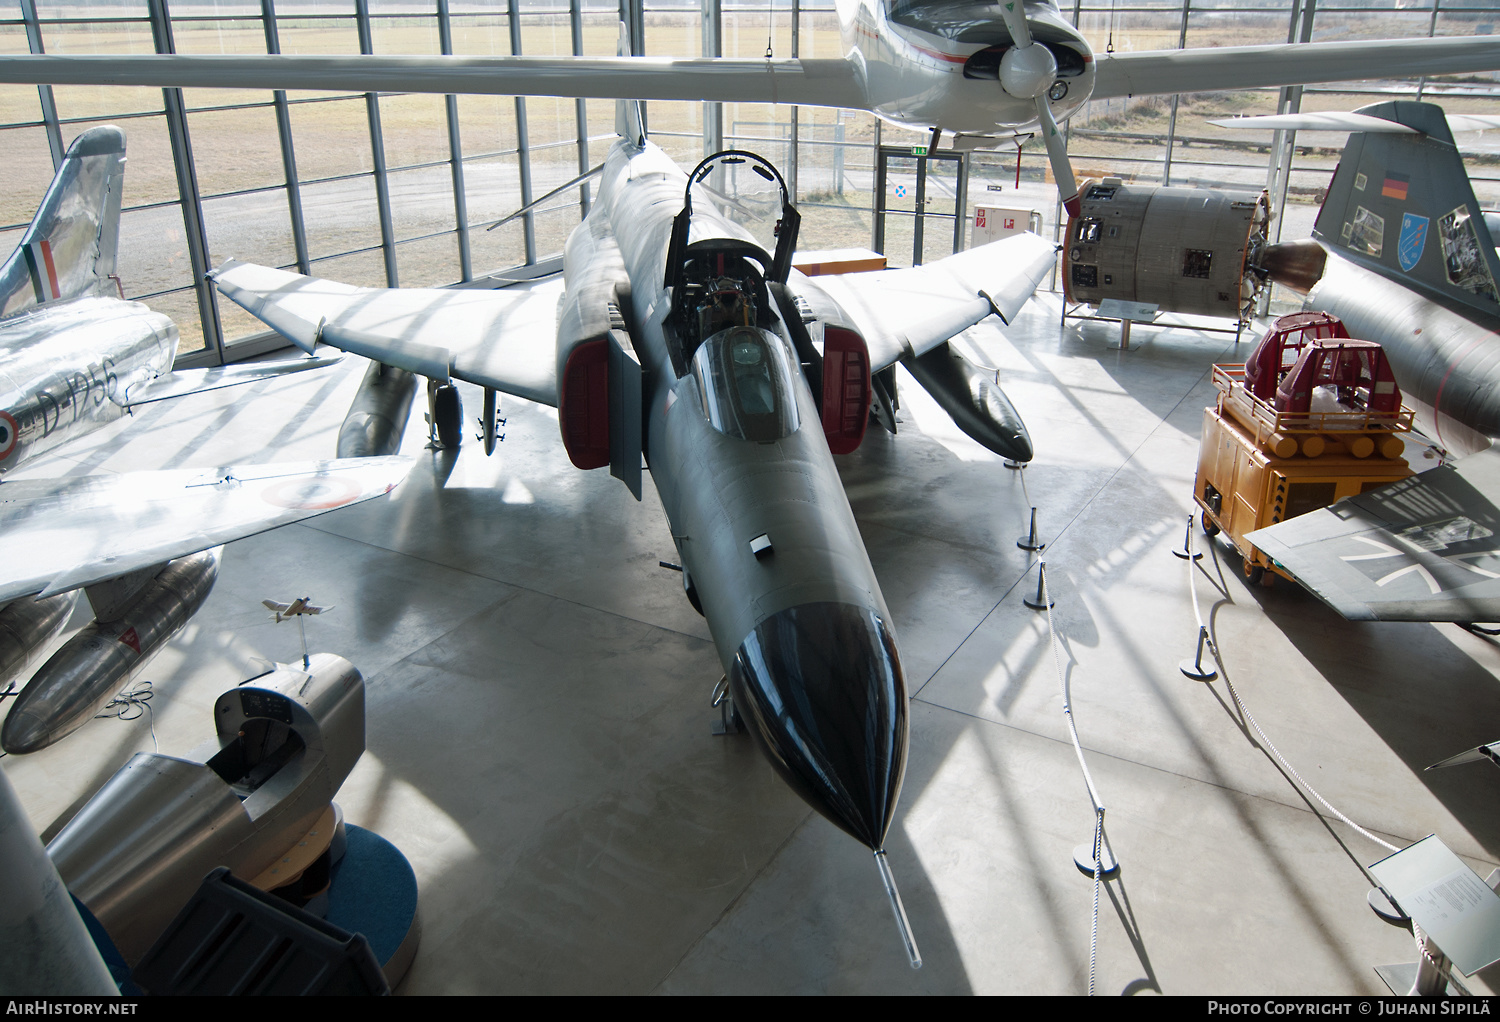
[391,189]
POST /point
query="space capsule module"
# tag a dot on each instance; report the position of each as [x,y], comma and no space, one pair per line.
[284,743]
[1191,250]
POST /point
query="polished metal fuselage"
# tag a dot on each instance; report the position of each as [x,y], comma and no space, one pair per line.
[66,369]
[141,846]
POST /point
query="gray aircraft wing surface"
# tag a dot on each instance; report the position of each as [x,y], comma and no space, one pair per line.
[909,312]
[829,82]
[60,534]
[1424,549]
[502,339]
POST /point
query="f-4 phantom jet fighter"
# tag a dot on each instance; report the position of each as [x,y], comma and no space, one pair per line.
[684,337]
[74,358]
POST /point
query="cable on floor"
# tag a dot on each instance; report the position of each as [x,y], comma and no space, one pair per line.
[130,704]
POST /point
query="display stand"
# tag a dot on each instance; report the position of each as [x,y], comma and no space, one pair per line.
[1114,310]
[1457,913]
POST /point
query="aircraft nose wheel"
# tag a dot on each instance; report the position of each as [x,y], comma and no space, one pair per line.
[729,722]
[444,416]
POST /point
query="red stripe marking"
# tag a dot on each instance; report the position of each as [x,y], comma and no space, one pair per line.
[1437,399]
[55,291]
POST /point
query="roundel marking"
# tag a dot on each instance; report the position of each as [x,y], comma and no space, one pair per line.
[8,435]
[319,494]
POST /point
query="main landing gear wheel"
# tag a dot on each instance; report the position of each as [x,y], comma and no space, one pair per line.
[445,418]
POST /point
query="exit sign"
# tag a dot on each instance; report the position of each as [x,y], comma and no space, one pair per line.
[919,150]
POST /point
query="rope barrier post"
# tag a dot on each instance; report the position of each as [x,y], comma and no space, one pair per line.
[1186,553]
[1097,859]
[1029,541]
[1041,601]
[1196,668]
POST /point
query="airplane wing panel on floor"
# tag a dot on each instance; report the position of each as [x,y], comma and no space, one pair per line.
[501,339]
[912,311]
[60,534]
[1424,549]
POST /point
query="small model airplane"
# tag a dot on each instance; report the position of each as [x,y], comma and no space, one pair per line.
[142,546]
[297,607]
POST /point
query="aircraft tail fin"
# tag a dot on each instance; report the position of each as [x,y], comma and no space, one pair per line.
[630,114]
[1402,204]
[69,249]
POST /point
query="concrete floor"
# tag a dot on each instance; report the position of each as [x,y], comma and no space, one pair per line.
[538,719]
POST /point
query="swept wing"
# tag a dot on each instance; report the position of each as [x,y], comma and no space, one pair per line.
[501,339]
[909,312]
[1424,549]
[60,534]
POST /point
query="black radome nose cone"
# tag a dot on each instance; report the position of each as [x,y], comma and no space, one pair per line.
[820,686]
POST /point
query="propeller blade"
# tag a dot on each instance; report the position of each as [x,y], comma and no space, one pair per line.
[1057,153]
[1014,13]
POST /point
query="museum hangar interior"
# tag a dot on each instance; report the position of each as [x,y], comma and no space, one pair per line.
[539,737]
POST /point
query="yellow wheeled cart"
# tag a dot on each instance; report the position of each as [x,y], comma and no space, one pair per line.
[1311,418]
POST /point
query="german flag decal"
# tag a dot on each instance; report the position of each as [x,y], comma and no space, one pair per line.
[1394,186]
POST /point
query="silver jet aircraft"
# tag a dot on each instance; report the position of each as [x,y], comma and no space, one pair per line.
[74,357]
[683,338]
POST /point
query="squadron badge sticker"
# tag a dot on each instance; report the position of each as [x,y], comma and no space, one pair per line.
[1411,241]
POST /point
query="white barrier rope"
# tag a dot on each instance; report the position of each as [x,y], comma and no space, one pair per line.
[1088,779]
[1213,647]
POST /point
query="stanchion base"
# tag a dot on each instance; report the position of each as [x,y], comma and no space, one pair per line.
[1184,554]
[1382,907]
[1083,858]
[1036,604]
[1197,670]
[1030,543]
[1009,463]
[1399,978]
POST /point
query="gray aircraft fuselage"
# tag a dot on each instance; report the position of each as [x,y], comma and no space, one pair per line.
[801,627]
[1410,263]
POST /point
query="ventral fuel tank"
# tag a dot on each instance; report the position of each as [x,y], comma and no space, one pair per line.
[1189,250]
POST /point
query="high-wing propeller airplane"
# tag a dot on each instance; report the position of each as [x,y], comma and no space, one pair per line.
[981,70]
[142,546]
[1404,255]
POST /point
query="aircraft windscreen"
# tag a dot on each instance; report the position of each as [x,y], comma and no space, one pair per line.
[746,382]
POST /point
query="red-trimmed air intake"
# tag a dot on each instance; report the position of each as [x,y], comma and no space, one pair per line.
[846,388]
[583,404]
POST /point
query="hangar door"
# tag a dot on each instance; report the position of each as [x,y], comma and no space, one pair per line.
[920,205]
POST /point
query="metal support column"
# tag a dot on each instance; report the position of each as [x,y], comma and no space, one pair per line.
[580,109]
[43,92]
[377,153]
[187,190]
[288,155]
[523,143]
[455,152]
[712,15]
[961,202]
[1166,170]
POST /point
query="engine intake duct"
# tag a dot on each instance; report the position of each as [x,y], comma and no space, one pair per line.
[970,397]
